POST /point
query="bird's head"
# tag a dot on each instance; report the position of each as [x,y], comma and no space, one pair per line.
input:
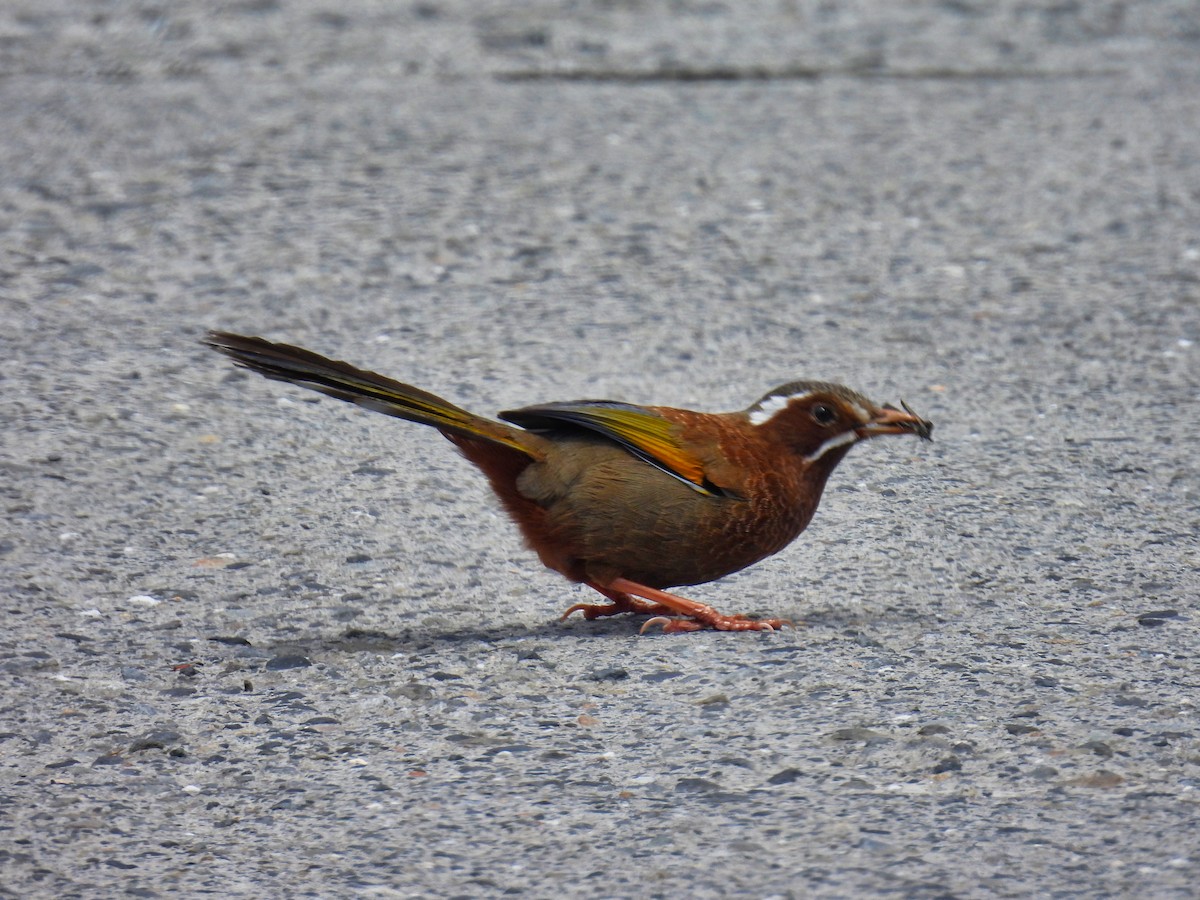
[819,422]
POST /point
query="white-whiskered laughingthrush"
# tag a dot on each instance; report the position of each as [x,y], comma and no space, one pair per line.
[627,499]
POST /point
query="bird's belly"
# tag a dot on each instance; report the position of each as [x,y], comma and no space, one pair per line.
[620,517]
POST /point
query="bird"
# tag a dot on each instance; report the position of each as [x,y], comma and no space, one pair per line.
[631,500]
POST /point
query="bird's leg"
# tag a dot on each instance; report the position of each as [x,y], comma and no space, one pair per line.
[696,615]
[621,603]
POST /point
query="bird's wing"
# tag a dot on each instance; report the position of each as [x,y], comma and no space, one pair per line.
[643,433]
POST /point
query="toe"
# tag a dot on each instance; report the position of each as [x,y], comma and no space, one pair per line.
[671,625]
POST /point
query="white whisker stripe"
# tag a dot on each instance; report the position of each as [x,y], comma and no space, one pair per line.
[838,440]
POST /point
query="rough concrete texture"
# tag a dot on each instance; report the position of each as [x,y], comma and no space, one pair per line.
[262,644]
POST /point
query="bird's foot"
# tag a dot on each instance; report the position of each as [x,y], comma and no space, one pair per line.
[717,622]
[678,615]
[621,603]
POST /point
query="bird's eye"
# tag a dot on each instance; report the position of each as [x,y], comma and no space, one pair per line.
[823,414]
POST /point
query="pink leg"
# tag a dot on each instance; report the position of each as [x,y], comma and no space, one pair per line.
[696,615]
[621,603]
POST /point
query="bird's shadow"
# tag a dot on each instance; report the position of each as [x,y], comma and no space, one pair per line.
[424,639]
[550,630]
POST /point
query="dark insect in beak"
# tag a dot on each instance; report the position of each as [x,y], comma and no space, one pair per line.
[922,428]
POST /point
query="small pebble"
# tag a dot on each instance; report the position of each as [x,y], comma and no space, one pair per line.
[277,663]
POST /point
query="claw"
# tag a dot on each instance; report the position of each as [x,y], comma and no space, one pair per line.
[589,610]
[657,620]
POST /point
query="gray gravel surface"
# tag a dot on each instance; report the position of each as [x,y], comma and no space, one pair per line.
[259,643]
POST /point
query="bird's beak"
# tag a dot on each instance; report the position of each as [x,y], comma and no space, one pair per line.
[889,420]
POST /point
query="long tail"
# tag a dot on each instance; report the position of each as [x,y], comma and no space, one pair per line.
[370,390]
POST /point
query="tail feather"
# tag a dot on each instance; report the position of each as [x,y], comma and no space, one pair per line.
[283,362]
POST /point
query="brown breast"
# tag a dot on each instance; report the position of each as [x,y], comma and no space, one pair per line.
[607,514]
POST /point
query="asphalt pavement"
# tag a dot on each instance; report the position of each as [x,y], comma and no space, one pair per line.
[259,643]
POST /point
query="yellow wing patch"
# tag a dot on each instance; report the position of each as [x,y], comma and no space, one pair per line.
[645,434]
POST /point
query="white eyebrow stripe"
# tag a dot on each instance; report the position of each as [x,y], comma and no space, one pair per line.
[767,409]
[838,440]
